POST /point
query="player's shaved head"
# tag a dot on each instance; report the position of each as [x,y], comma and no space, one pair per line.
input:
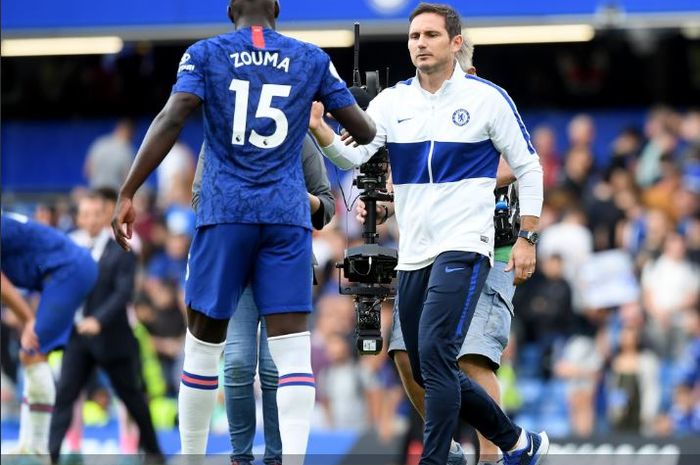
[247,12]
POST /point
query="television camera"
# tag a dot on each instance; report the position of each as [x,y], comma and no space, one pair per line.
[370,268]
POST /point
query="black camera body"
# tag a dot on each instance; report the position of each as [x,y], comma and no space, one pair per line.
[506,217]
[370,267]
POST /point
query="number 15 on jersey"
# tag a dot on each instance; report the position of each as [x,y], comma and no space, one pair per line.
[264,110]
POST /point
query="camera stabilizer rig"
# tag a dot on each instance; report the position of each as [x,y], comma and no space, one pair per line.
[370,267]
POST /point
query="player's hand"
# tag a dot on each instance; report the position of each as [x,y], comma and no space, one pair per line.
[361,212]
[522,260]
[347,138]
[90,326]
[123,221]
[316,118]
[29,340]
[314,203]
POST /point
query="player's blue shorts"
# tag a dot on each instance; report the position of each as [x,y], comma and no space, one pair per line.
[65,290]
[224,258]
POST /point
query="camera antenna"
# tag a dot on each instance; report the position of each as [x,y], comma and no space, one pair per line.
[356,77]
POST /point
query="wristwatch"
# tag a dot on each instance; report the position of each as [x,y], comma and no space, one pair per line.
[530,236]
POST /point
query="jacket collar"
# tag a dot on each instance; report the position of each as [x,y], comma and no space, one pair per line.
[457,74]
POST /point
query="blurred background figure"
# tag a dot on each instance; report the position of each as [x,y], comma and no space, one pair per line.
[109,157]
[162,307]
[634,384]
[102,336]
[175,175]
[544,141]
[670,286]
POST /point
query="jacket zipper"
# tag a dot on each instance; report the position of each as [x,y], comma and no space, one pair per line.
[432,142]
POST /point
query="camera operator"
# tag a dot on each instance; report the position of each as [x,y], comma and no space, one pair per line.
[444,132]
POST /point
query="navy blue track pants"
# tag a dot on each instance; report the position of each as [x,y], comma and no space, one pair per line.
[436,304]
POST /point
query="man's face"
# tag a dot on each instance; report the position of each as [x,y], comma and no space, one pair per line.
[91,216]
[429,44]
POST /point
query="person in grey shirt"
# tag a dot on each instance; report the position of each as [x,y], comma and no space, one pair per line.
[241,351]
[109,157]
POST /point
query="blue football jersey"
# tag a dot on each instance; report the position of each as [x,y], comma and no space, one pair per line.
[31,251]
[257,87]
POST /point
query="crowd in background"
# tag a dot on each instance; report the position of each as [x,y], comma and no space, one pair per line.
[606,335]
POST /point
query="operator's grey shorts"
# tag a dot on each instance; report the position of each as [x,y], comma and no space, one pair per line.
[490,326]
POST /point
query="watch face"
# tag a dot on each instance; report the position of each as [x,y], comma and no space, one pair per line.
[529,236]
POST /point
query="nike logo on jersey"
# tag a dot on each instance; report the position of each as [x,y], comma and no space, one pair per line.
[404,119]
[260,58]
[450,270]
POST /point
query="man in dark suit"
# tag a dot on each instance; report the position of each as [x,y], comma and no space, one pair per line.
[102,336]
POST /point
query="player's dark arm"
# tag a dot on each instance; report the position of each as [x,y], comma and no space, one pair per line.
[14,300]
[357,123]
[124,281]
[160,138]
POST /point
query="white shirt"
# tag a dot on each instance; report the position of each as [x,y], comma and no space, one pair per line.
[178,162]
[671,282]
[96,244]
[444,150]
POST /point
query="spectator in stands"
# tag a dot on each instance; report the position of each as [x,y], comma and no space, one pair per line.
[163,288]
[581,131]
[544,308]
[580,365]
[661,142]
[687,200]
[691,229]
[670,285]
[634,391]
[648,235]
[625,149]
[175,176]
[572,241]
[690,128]
[604,214]
[383,389]
[663,195]
[109,157]
[684,415]
[545,143]
[578,165]
[343,387]
[334,315]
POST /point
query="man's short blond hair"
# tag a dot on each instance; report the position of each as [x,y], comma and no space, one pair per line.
[465,55]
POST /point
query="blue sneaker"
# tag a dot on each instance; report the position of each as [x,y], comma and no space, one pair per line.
[457,456]
[533,454]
